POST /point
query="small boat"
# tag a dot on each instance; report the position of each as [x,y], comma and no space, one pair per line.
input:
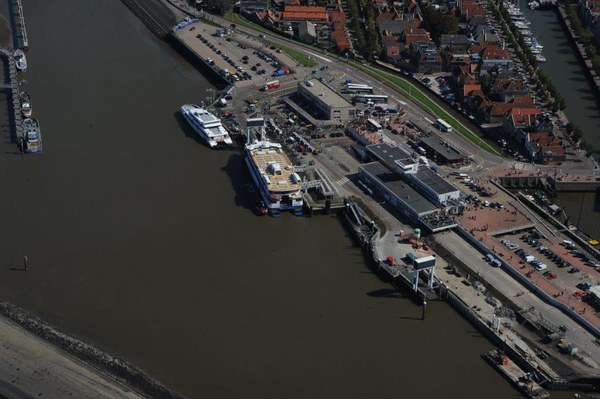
[32,143]
[26,108]
[533,5]
[20,60]
[540,58]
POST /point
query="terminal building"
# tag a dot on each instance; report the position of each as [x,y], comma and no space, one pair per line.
[396,191]
[442,152]
[431,185]
[415,190]
[327,103]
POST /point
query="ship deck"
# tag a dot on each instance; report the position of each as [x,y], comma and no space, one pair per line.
[279,183]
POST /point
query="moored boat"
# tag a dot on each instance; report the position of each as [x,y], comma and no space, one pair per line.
[32,142]
[26,107]
[207,125]
[279,187]
[20,60]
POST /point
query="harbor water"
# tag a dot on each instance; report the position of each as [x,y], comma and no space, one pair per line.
[566,72]
[140,240]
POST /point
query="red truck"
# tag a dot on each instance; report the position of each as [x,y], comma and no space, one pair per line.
[271,85]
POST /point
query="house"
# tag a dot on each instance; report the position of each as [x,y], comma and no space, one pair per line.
[545,147]
[250,7]
[454,42]
[307,32]
[486,34]
[590,13]
[492,57]
[506,88]
[297,14]
[425,57]
[523,119]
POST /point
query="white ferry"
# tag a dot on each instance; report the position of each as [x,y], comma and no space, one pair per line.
[208,126]
[279,186]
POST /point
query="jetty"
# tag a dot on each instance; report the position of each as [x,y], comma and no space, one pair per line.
[11,85]
[17,17]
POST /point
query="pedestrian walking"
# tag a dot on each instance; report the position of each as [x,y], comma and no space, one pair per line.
[25,262]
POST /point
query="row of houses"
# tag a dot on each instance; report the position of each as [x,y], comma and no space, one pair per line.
[590,13]
[483,73]
[321,25]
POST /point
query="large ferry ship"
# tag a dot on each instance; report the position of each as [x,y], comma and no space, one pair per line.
[208,126]
[278,185]
[32,142]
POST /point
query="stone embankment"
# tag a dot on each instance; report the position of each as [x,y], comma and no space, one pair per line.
[87,353]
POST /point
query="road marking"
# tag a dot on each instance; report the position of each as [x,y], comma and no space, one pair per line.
[343,181]
[318,56]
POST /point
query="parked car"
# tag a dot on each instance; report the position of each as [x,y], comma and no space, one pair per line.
[574,270]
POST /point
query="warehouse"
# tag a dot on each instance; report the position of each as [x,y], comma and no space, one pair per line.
[442,152]
[326,103]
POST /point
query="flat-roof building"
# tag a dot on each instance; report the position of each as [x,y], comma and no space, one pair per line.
[433,186]
[326,102]
[396,191]
[429,183]
[442,151]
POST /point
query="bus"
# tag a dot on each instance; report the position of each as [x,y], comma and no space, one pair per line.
[374,98]
[358,88]
[374,124]
[443,125]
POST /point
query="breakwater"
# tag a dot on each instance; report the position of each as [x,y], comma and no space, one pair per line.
[88,353]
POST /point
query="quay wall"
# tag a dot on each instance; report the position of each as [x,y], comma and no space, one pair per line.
[465,310]
[87,353]
[197,61]
[549,182]
[529,285]
[154,14]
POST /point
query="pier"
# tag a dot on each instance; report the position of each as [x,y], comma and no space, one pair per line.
[10,85]
[18,24]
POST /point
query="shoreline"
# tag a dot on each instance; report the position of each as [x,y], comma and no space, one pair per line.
[95,360]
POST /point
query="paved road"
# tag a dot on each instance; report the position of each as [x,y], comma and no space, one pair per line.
[523,298]
[483,158]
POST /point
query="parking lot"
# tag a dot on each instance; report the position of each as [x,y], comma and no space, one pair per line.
[240,59]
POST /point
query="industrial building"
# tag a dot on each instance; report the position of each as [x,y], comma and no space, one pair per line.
[327,103]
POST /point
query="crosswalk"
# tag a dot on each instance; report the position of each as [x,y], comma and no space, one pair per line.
[343,181]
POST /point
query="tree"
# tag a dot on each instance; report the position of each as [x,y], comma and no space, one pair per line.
[219,6]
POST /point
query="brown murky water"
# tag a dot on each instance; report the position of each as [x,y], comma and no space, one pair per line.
[140,241]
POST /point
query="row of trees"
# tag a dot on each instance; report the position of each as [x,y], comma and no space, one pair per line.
[547,90]
[221,7]
[585,36]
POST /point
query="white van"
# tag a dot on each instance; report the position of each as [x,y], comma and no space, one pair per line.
[541,267]
[490,257]
[496,263]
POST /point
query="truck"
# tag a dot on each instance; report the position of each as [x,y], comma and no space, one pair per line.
[271,85]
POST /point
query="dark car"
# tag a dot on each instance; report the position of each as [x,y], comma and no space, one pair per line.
[574,270]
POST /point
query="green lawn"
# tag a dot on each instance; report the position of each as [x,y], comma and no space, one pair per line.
[240,20]
[297,55]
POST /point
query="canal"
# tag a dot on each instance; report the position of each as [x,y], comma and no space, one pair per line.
[141,242]
[566,72]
